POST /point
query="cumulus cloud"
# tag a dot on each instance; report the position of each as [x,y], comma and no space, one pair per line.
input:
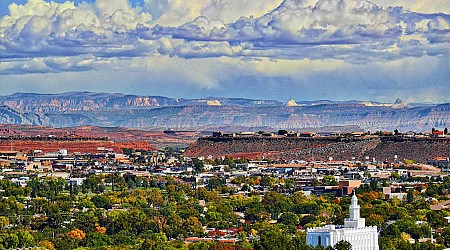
[350,30]
[178,12]
[420,6]
[51,64]
[41,28]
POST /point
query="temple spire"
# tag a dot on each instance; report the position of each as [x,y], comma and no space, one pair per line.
[355,220]
[354,208]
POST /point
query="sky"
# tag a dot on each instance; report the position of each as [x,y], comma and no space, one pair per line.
[377,50]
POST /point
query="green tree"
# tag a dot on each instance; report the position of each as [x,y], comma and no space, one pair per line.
[343,245]
[265,181]
[101,201]
[54,216]
[156,241]
[329,180]
[276,203]
[198,165]
[274,238]
[25,239]
[446,236]
[86,221]
[289,218]
[391,231]
[410,196]
[96,239]
[9,240]
[193,226]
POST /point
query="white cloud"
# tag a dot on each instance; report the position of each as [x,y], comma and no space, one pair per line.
[48,28]
[51,64]
[178,12]
[229,11]
[420,6]
[350,30]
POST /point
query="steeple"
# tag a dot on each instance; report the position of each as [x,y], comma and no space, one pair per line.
[354,208]
[355,221]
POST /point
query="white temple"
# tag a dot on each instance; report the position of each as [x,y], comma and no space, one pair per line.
[353,231]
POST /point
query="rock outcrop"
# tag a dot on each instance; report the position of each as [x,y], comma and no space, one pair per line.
[320,149]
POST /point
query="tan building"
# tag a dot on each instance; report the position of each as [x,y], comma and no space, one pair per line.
[348,186]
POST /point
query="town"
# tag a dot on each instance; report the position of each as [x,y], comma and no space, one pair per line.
[224,125]
[149,198]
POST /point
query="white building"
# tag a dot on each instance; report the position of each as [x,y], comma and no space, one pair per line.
[354,231]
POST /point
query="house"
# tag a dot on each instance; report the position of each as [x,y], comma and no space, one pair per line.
[441,206]
[357,134]
[21,181]
[441,162]
[75,181]
[307,134]
[320,190]
[438,134]
[447,219]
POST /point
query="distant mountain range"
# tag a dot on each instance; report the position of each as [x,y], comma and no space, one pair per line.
[157,112]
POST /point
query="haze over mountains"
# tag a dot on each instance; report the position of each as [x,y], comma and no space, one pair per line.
[157,112]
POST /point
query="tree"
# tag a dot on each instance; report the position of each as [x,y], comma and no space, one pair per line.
[329,180]
[155,241]
[391,231]
[276,203]
[395,175]
[343,245]
[55,218]
[289,218]
[86,221]
[410,196]
[265,181]
[445,131]
[3,222]
[228,161]
[198,165]
[101,201]
[45,244]
[25,239]
[9,240]
[96,239]
[194,226]
[375,220]
[274,238]
[145,183]
[77,234]
[446,236]
[396,132]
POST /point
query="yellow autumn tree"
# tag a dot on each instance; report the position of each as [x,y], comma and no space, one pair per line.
[77,233]
[45,244]
[101,230]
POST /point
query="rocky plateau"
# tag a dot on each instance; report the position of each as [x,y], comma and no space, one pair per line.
[159,113]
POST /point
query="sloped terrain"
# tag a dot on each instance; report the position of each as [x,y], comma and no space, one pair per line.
[380,148]
[160,113]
